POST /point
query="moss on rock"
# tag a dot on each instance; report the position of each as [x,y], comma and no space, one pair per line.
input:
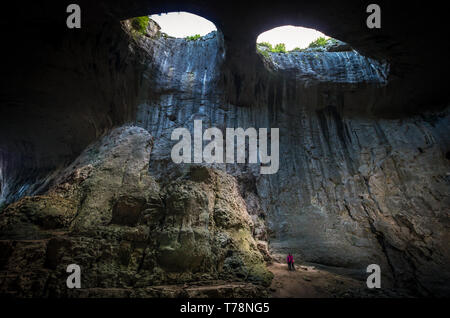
[108,215]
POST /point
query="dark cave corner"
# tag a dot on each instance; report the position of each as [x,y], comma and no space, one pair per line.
[86,175]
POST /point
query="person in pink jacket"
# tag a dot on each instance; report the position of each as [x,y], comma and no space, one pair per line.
[290,261]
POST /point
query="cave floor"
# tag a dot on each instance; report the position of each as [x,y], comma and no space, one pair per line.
[308,281]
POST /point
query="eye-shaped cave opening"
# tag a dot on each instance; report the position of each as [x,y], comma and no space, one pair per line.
[178,24]
[322,205]
[184,53]
[289,38]
[183,24]
[308,54]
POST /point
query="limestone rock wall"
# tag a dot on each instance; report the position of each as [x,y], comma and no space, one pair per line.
[64,89]
[352,189]
[106,214]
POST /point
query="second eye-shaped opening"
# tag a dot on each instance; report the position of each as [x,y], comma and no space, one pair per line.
[288,38]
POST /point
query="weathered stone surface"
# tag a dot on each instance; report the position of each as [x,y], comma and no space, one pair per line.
[97,72]
[60,96]
[108,215]
[373,195]
[351,190]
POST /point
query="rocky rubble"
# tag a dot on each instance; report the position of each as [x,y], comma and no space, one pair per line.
[352,189]
[108,215]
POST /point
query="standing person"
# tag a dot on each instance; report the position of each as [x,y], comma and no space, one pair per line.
[290,261]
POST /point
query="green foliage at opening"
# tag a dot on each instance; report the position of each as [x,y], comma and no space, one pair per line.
[193,37]
[264,48]
[332,41]
[322,42]
[319,42]
[140,23]
[280,48]
[266,45]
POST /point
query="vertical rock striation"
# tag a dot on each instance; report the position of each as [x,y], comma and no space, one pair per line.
[106,214]
[65,89]
[352,189]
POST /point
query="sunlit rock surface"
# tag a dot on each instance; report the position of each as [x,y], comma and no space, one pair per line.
[352,189]
[336,67]
[106,214]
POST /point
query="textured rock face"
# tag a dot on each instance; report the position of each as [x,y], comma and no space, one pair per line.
[400,40]
[333,67]
[64,90]
[106,214]
[65,87]
[376,192]
[352,190]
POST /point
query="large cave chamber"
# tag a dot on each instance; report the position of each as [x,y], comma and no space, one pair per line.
[87,174]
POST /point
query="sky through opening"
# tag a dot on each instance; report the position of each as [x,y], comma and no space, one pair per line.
[291,36]
[183,24]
